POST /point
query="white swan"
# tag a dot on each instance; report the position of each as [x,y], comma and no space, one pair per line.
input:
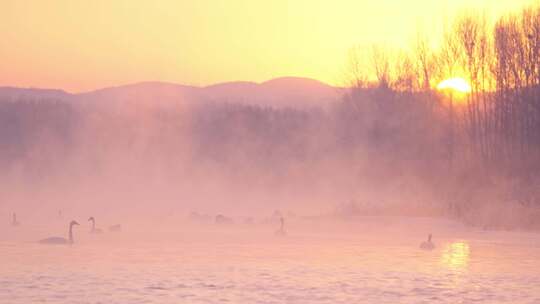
[55,240]
[281,230]
[94,229]
[427,245]
[14,221]
[222,219]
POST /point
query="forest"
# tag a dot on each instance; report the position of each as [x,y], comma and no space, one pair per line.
[394,144]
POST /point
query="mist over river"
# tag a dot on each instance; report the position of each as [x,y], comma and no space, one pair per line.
[320,260]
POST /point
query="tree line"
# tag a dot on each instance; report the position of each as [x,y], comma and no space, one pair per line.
[498,121]
[392,128]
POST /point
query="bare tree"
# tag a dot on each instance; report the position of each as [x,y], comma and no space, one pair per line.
[380,60]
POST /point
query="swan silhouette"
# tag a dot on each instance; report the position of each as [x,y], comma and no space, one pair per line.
[281,230]
[55,240]
[14,221]
[222,219]
[94,229]
[427,245]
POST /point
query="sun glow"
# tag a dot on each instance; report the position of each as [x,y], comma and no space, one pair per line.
[456,84]
[207,41]
[456,255]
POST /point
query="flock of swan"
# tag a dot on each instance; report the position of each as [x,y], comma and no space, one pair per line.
[220,219]
[56,240]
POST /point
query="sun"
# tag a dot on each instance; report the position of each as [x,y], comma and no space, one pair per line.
[456,84]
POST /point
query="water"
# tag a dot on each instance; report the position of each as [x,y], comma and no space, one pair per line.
[372,260]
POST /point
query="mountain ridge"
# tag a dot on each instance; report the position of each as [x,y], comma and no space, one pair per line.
[277,92]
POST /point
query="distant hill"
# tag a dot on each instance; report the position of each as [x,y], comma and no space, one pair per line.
[280,92]
[150,93]
[12,94]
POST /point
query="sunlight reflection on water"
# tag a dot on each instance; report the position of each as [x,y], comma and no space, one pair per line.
[244,267]
[456,255]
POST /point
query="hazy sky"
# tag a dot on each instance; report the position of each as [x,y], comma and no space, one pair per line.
[83,45]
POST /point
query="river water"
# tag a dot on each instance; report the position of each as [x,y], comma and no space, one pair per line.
[362,260]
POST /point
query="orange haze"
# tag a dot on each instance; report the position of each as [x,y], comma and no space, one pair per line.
[84,45]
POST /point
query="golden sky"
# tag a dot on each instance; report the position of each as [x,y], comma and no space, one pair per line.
[80,45]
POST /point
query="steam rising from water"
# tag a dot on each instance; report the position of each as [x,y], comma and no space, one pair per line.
[199,191]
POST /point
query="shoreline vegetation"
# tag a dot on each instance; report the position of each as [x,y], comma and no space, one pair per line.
[490,136]
[394,140]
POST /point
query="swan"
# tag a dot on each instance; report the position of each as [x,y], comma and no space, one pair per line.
[115,228]
[195,216]
[222,219]
[14,221]
[281,230]
[60,240]
[427,245]
[94,229]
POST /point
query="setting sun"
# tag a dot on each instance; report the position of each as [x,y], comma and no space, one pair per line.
[457,84]
[90,45]
[293,151]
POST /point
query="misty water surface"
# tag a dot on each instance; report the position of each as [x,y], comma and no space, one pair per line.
[360,260]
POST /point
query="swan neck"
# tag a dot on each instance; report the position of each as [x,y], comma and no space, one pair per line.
[71,233]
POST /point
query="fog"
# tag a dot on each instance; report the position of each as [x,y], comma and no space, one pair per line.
[370,152]
[215,200]
[414,182]
[150,162]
